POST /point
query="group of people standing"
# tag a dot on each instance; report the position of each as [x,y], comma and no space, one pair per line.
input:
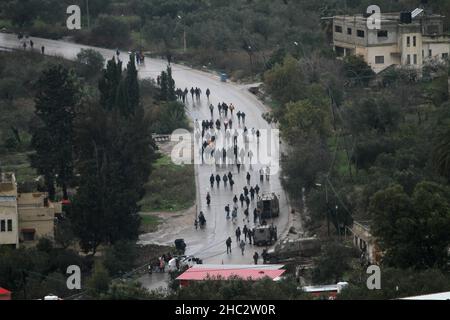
[26,41]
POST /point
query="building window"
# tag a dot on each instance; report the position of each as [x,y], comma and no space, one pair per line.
[408,41]
[423,53]
[2,225]
[414,41]
[445,56]
[338,29]
[28,235]
[382,34]
[360,33]
[432,29]
[415,58]
[349,31]
[10,225]
[408,59]
[379,59]
[430,53]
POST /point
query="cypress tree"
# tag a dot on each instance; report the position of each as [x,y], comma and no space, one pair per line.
[55,102]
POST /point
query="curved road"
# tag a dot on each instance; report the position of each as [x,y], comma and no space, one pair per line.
[209,243]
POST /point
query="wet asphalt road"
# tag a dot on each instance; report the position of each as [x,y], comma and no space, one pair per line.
[208,243]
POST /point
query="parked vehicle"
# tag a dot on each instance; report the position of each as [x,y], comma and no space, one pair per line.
[183,263]
[268,206]
[292,248]
[265,235]
[180,246]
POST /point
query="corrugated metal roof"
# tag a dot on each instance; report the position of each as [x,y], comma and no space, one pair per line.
[243,273]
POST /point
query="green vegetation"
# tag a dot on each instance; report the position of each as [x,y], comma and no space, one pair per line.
[397,283]
[149,223]
[238,289]
[171,187]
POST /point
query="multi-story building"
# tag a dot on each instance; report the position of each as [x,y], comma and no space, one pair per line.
[403,39]
[24,217]
[9,218]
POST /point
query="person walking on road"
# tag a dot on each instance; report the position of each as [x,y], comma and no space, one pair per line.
[243,117]
[227,211]
[211,109]
[239,117]
[255,216]
[228,243]
[245,232]
[218,180]
[238,165]
[238,234]
[231,108]
[250,235]
[235,199]
[242,198]
[257,190]
[245,191]
[267,173]
[211,180]
[208,199]
[42,49]
[225,180]
[252,193]
[261,175]
[242,245]
[231,184]
[247,202]
[248,178]
[208,92]
[256,257]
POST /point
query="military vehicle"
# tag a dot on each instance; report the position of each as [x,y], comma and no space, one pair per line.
[265,235]
[268,206]
[293,248]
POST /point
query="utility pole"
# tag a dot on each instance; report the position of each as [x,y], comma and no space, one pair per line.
[88,16]
[328,208]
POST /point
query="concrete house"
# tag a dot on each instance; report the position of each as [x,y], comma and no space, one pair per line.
[24,217]
[407,39]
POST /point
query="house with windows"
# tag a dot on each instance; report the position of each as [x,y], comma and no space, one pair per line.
[363,240]
[24,217]
[9,218]
[406,38]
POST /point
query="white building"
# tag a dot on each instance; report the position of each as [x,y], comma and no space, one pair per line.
[9,217]
[403,39]
[24,217]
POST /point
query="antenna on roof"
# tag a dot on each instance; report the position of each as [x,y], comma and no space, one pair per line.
[416,12]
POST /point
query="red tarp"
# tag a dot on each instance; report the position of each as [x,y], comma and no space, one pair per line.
[246,274]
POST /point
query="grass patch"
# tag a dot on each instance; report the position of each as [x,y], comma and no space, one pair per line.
[170,187]
[20,165]
[149,223]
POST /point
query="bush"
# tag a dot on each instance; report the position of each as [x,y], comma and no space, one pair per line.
[92,62]
[110,32]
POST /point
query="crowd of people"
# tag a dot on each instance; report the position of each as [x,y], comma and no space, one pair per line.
[231,156]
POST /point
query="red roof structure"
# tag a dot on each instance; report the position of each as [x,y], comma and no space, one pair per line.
[253,273]
[5,294]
